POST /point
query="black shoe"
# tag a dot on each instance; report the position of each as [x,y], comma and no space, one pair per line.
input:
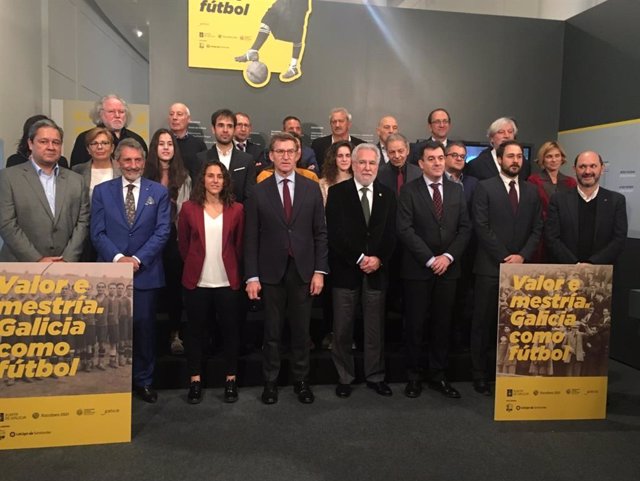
[195,392]
[343,390]
[413,389]
[444,388]
[270,393]
[146,393]
[304,392]
[380,387]
[230,391]
[481,387]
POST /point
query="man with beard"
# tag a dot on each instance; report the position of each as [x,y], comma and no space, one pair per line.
[110,112]
[589,223]
[508,224]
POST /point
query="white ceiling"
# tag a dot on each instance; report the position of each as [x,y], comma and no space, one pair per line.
[128,16]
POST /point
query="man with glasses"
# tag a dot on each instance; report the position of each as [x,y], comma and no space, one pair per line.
[239,164]
[285,262]
[111,112]
[242,137]
[487,165]
[438,125]
[44,210]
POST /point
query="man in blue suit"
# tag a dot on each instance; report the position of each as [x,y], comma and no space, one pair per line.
[130,222]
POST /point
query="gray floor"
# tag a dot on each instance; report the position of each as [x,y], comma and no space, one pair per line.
[366,437]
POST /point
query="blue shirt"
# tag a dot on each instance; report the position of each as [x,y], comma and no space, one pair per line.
[48,182]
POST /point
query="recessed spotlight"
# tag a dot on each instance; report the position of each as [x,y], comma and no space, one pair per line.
[139,33]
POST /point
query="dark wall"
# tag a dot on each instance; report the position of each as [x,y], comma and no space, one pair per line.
[376,61]
[600,84]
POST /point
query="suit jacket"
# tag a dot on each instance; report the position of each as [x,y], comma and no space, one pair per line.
[254,150]
[350,236]
[84,170]
[483,167]
[145,239]
[322,144]
[28,228]
[562,229]
[268,235]
[500,232]
[80,154]
[424,236]
[387,175]
[416,148]
[192,242]
[241,167]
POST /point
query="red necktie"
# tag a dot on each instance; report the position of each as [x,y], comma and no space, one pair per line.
[400,180]
[513,196]
[437,200]
[286,200]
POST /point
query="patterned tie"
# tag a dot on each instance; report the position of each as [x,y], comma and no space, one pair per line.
[437,199]
[130,205]
[366,209]
[241,146]
[286,200]
[513,196]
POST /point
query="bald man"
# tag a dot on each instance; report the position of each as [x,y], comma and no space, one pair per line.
[189,145]
[387,125]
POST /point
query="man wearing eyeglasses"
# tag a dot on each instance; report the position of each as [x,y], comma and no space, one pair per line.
[487,165]
[111,112]
[439,124]
[285,250]
[44,210]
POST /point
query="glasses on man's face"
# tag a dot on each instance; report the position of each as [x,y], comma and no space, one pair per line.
[281,152]
[457,156]
[103,143]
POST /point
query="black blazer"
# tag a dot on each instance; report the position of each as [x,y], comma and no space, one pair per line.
[483,167]
[322,144]
[268,235]
[387,175]
[242,170]
[350,236]
[562,229]
[500,232]
[424,236]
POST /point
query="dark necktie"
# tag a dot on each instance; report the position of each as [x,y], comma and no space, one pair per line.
[513,196]
[130,205]
[286,200]
[366,209]
[241,146]
[399,181]
[437,200]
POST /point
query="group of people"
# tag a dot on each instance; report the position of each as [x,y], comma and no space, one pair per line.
[355,222]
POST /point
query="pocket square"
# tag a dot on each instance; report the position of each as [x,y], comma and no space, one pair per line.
[149,201]
[239,168]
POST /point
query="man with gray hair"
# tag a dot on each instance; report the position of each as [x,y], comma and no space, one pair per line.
[340,122]
[111,112]
[190,145]
[44,210]
[486,165]
[361,220]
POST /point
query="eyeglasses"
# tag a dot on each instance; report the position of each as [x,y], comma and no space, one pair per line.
[104,143]
[440,122]
[281,152]
[457,156]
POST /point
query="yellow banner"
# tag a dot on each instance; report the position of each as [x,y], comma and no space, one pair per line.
[256,37]
[65,354]
[553,342]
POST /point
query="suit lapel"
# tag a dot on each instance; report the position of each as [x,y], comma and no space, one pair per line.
[574,205]
[377,206]
[354,199]
[145,189]
[274,197]
[61,193]
[298,197]
[423,188]
[31,176]
[117,192]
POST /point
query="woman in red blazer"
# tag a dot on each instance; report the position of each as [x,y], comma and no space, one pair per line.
[210,235]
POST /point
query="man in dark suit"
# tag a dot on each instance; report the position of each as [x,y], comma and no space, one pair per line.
[340,122]
[398,171]
[44,209]
[361,217]
[130,223]
[190,145]
[587,224]
[508,223]
[438,125]
[240,165]
[434,228]
[486,165]
[387,125]
[242,137]
[285,262]
[111,112]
